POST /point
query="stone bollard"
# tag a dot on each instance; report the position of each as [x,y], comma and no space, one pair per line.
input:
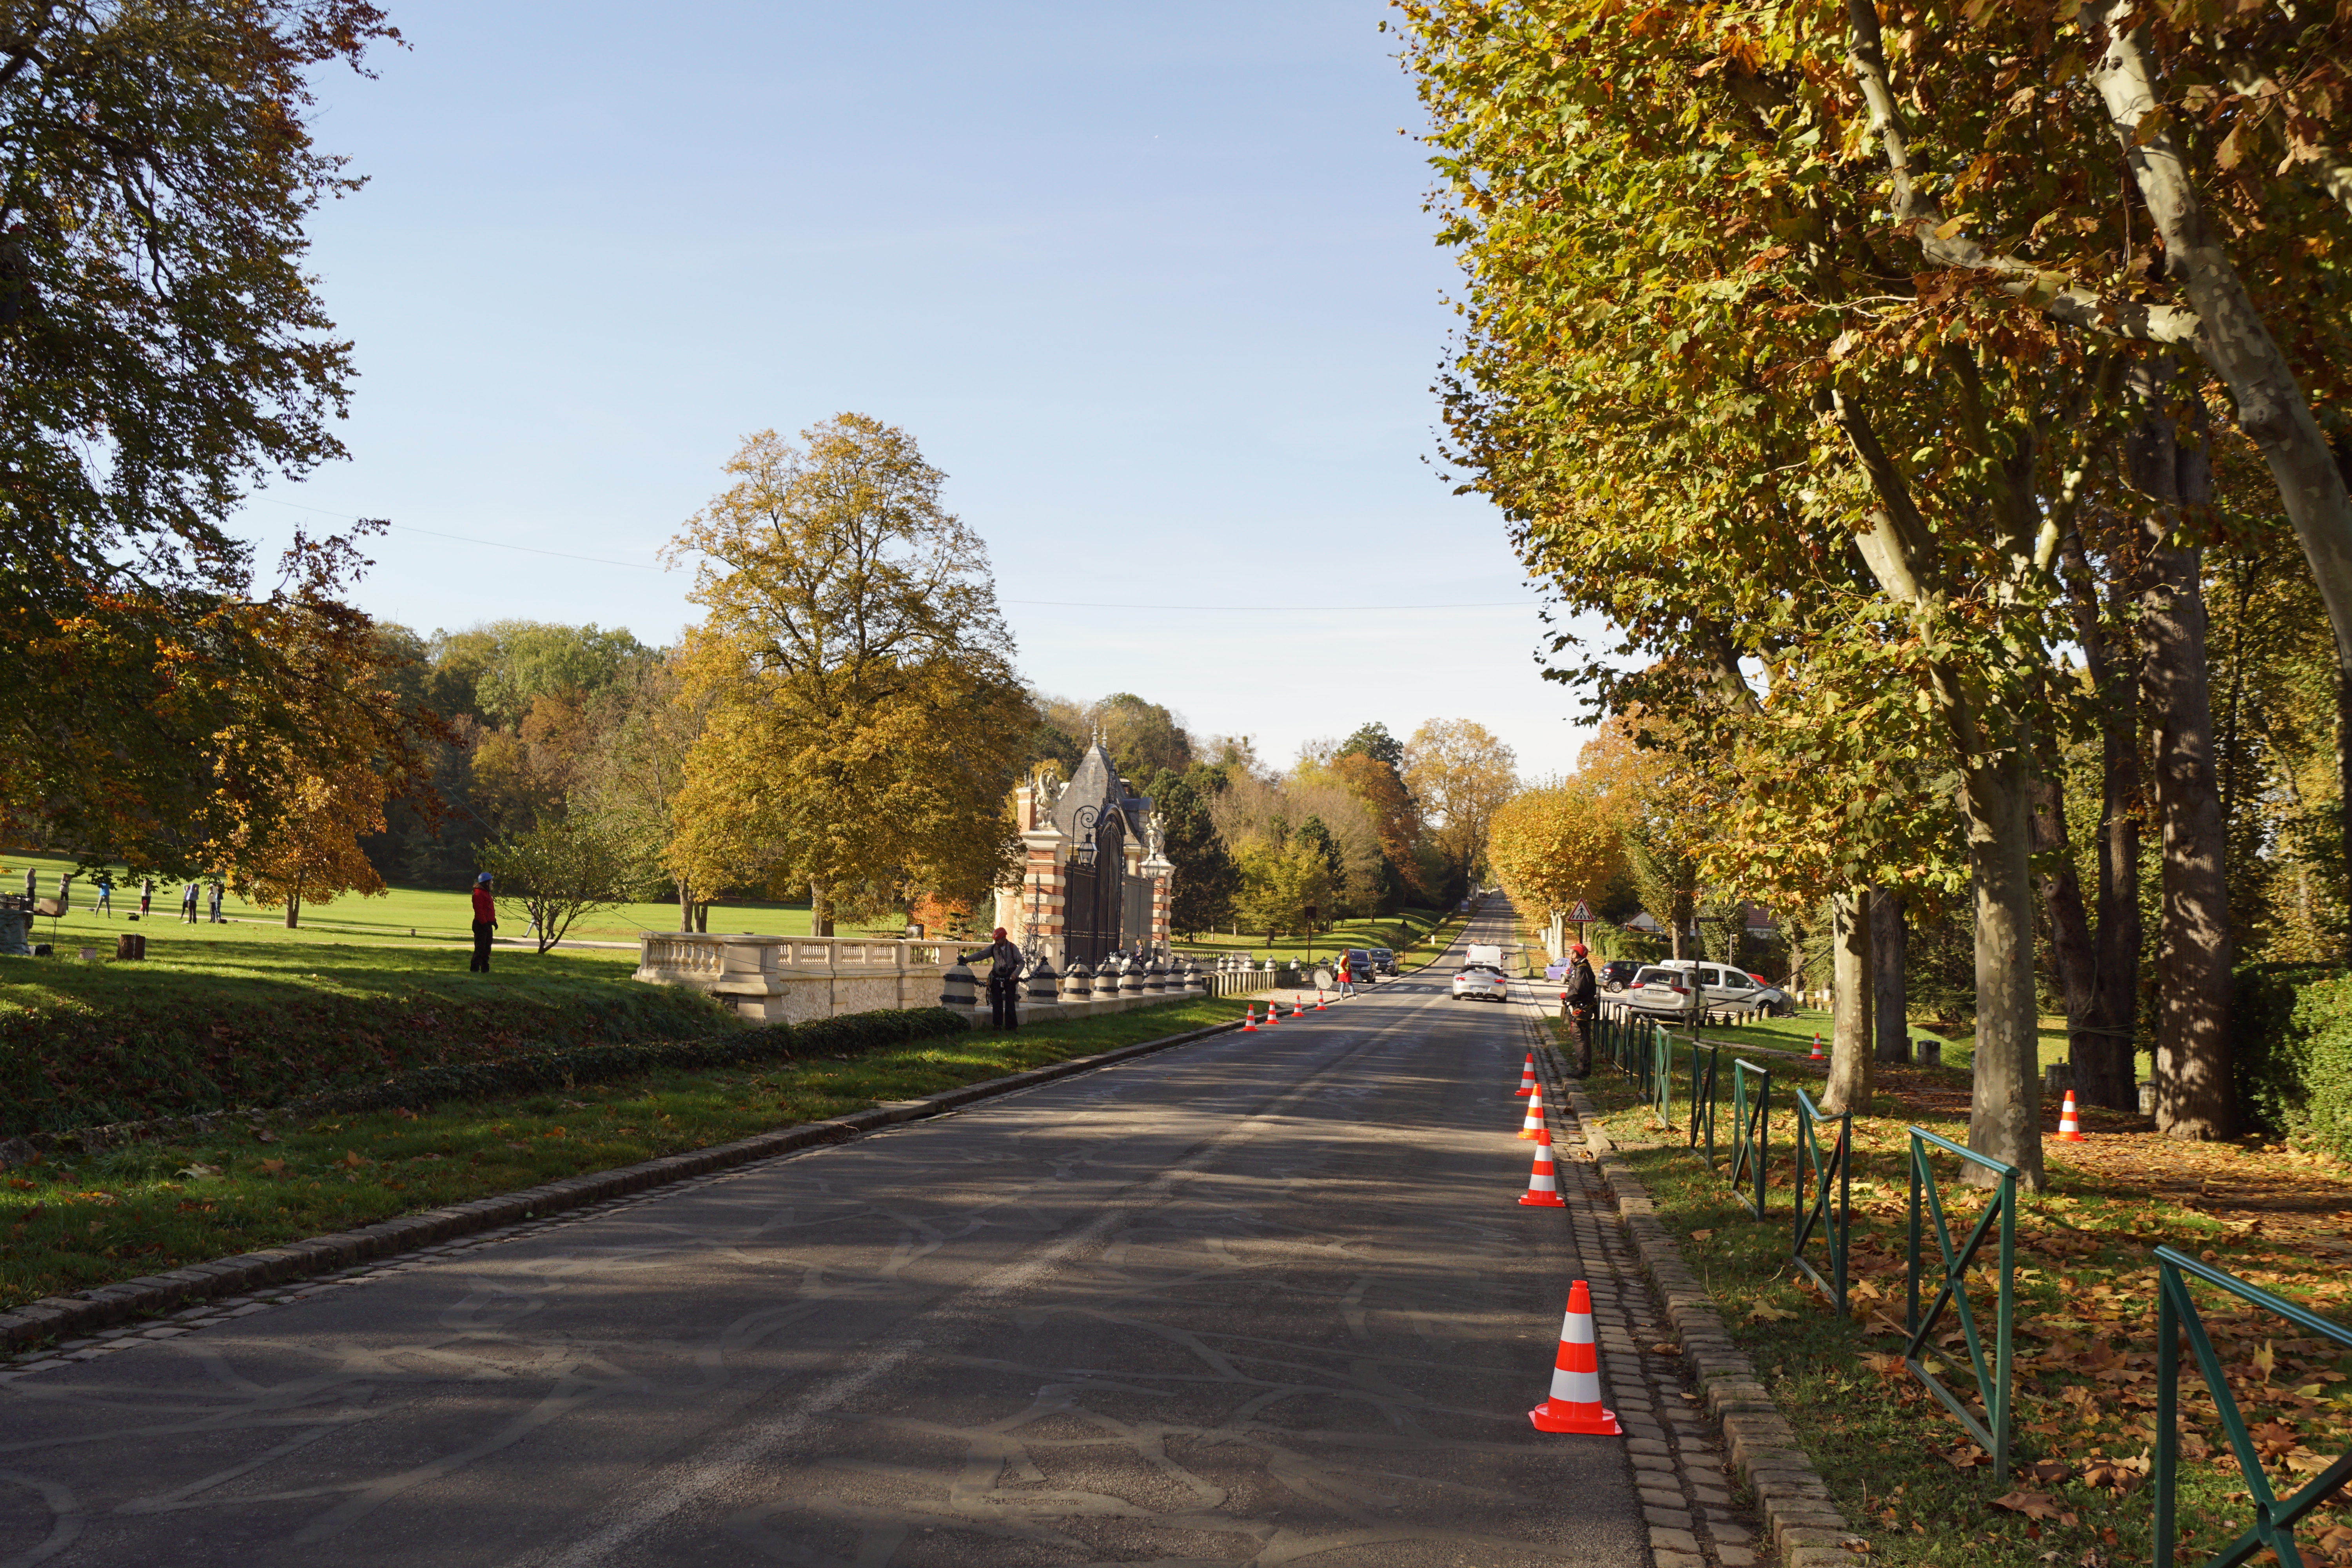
[957,987]
[129,945]
[1078,985]
[2057,1079]
[1930,1052]
[2147,1099]
[1195,982]
[1042,984]
[1155,978]
[1130,979]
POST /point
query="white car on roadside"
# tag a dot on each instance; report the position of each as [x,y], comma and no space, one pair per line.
[1481,982]
[1666,987]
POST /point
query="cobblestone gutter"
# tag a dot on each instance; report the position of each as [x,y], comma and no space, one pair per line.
[1792,1501]
[67,1316]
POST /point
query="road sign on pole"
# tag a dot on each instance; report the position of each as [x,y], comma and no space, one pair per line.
[1581,913]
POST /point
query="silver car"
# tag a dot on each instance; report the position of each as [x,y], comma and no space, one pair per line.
[1481,982]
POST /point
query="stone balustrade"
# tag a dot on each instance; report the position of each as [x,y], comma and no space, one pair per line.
[791,979]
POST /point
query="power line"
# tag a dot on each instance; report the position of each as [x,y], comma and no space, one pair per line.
[1048,604]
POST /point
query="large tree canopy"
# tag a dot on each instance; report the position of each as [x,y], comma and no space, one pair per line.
[161,353]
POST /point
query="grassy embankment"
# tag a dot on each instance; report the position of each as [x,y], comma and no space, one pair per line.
[210,1023]
[149,1207]
[1901,1469]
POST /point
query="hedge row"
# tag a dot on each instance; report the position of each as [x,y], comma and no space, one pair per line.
[68,1068]
[2292,1052]
[852,1034]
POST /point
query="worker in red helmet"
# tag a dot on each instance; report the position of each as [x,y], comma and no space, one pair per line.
[1582,1000]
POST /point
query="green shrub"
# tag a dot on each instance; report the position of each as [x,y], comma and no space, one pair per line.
[852,1034]
[2291,1051]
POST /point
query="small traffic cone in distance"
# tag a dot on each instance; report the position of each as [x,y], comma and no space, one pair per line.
[1320,1005]
[1272,1014]
[1817,1047]
[1533,1126]
[1297,1011]
[1249,1017]
[1575,1403]
[1527,1079]
[2069,1130]
[1543,1184]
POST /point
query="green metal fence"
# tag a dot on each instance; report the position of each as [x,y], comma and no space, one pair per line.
[1703,1061]
[1751,1114]
[1658,1084]
[1993,1390]
[2176,1314]
[1831,1214]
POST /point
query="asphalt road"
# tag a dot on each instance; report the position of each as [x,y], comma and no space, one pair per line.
[1265,1298]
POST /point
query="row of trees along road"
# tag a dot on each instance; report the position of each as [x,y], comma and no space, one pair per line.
[1882,374]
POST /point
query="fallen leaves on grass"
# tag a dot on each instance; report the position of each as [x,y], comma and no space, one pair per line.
[1765,1312]
[2032,1505]
[2116,1475]
[197,1171]
[1964,1457]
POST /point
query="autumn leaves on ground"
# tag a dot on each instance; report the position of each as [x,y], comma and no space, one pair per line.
[1902,1469]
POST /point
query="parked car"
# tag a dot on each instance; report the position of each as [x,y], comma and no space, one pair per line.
[1481,982]
[1618,973]
[1383,960]
[1666,987]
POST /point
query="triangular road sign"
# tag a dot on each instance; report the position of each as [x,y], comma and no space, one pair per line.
[1582,913]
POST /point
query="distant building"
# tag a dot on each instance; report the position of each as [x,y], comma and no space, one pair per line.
[1094,880]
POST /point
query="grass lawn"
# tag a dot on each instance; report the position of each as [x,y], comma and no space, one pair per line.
[1901,1469]
[401,915]
[1796,1033]
[151,1208]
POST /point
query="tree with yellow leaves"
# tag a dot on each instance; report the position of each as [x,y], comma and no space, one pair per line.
[864,720]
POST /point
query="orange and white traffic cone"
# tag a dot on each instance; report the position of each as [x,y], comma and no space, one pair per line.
[1320,1005]
[1527,1079]
[2069,1130]
[1817,1056]
[1575,1403]
[1297,1010]
[1249,1017]
[1543,1184]
[1272,1014]
[1532,1127]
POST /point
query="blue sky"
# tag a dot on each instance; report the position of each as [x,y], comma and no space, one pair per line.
[1152,285]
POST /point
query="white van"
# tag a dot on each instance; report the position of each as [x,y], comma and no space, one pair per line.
[1488,953]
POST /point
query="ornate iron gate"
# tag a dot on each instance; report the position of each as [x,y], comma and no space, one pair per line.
[1095,896]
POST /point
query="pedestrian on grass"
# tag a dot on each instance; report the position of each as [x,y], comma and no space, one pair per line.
[217,889]
[1003,982]
[188,902]
[1583,997]
[486,921]
[146,895]
[105,895]
[32,884]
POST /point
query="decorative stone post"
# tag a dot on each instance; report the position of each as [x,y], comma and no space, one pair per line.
[1043,985]
[1130,979]
[1155,978]
[1078,985]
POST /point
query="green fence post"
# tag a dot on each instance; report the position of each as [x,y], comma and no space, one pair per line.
[1993,1385]
[1750,1125]
[1834,1219]
[1702,1113]
[2176,1316]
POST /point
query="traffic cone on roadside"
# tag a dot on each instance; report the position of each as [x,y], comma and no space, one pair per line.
[1297,1010]
[1817,1056]
[1249,1017]
[1533,1126]
[1320,1005]
[2069,1130]
[1272,1014]
[1575,1403]
[1527,1079]
[1543,1184]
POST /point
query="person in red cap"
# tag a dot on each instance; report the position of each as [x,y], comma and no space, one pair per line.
[1003,982]
[1583,998]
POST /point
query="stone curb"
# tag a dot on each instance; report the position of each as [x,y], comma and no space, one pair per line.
[66,1317]
[1804,1525]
